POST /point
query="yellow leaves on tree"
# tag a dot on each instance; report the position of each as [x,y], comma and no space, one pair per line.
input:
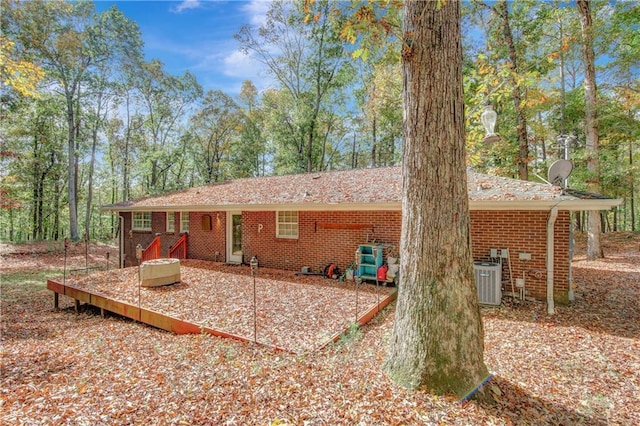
[19,74]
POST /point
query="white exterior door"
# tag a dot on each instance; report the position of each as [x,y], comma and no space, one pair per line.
[234,237]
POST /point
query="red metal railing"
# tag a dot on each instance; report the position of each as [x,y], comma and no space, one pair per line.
[153,251]
[179,249]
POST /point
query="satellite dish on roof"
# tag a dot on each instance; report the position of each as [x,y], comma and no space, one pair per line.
[559,171]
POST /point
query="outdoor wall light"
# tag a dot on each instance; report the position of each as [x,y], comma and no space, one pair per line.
[489,118]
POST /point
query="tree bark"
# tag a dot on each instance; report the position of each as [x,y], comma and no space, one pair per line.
[36,192]
[354,156]
[521,119]
[71,164]
[56,212]
[374,142]
[594,227]
[127,143]
[632,189]
[438,337]
[96,125]
[563,91]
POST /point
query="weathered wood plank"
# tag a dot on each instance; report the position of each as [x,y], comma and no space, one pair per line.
[79,295]
[55,286]
[345,226]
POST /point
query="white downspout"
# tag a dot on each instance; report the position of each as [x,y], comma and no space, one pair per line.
[553,214]
[122,241]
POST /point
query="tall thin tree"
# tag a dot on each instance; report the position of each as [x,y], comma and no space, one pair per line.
[502,10]
[594,226]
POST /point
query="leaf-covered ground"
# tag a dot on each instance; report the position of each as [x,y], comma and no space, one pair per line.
[580,366]
[292,312]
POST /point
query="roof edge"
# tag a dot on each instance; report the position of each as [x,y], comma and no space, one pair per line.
[570,204]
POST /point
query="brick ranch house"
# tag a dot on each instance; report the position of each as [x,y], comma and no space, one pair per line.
[312,219]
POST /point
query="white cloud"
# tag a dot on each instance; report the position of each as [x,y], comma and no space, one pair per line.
[220,65]
[215,57]
[185,5]
[237,63]
[257,11]
[243,67]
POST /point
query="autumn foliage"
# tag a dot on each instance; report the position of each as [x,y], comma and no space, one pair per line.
[579,366]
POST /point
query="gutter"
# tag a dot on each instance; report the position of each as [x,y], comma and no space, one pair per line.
[570,204]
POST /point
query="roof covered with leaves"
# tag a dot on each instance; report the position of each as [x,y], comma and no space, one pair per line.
[370,188]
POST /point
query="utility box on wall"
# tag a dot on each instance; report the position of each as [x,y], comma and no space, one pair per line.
[488,282]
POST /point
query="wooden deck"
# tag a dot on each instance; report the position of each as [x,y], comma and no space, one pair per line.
[174,321]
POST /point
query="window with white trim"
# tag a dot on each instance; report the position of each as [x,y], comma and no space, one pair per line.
[171,222]
[184,221]
[287,224]
[141,221]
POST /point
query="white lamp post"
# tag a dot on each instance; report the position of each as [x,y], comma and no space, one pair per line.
[254,271]
[139,251]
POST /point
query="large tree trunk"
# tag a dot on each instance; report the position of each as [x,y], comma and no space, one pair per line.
[594,227]
[437,340]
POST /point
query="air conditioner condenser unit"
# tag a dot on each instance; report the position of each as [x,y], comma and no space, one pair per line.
[488,282]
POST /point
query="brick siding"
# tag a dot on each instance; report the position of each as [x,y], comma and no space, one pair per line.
[318,244]
[524,232]
[204,243]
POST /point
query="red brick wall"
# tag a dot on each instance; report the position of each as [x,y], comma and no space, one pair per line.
[203,246]
[144,238]
[316,246]
[204,243]
[524,232]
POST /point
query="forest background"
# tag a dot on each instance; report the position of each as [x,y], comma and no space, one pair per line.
[87,121]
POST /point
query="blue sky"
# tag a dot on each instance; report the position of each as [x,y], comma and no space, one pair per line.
[197,35]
